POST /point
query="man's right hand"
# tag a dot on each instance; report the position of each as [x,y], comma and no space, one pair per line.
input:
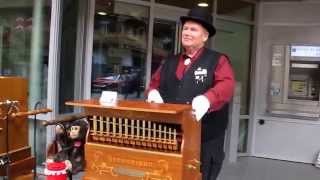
[154,96]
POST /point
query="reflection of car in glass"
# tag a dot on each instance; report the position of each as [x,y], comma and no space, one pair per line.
[122,83]
[107,83]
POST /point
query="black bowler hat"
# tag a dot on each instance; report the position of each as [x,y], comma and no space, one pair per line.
[202,16]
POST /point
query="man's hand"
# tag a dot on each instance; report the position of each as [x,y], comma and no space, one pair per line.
[154,96]
[200,106]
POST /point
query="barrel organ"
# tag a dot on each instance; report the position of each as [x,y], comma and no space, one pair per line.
[141,141]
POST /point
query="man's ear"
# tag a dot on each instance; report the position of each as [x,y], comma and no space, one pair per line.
[205,36]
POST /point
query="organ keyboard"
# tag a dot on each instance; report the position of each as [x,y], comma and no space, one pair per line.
[136,133]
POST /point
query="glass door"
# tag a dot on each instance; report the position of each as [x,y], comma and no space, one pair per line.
[119,48]
[166,33]
[24,32]
[164,41]
[227,39]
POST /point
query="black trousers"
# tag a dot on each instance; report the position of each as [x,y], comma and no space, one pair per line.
[212,155]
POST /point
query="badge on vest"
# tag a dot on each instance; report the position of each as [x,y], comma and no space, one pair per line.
[200,74]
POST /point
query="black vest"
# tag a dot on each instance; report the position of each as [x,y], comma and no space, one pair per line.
[196,81]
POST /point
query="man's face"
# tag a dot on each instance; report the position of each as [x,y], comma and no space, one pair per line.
[194,35]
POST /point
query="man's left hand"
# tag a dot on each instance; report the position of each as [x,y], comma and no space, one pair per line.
[200,106]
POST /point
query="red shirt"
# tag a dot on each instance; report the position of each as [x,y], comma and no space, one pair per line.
[222,88]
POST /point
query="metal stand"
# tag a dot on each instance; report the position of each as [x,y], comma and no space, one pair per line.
[36,107]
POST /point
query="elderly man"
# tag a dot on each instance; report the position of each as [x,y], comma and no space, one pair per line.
[202,77]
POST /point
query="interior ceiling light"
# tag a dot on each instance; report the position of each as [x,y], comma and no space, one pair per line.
[102,13]
[203,4]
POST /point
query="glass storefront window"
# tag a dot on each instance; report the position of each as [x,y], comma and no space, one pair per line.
[243,135]
[119,49]
[164,33]
[185,4]
[24,42]
[234,39]
[236,8]
[24,50]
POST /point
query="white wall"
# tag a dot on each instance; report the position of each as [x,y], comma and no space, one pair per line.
[283,138]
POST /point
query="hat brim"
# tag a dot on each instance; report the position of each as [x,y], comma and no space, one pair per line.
[210,28]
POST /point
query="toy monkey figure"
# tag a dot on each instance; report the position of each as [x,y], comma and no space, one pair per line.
[77,134]
[61,143]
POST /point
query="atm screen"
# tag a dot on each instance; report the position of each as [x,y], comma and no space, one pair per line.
[298,88]
[305,51]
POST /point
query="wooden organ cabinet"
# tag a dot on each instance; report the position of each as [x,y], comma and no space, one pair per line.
[21,161]
[136,140]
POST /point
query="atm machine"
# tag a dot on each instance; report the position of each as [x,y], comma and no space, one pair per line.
[295,81]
